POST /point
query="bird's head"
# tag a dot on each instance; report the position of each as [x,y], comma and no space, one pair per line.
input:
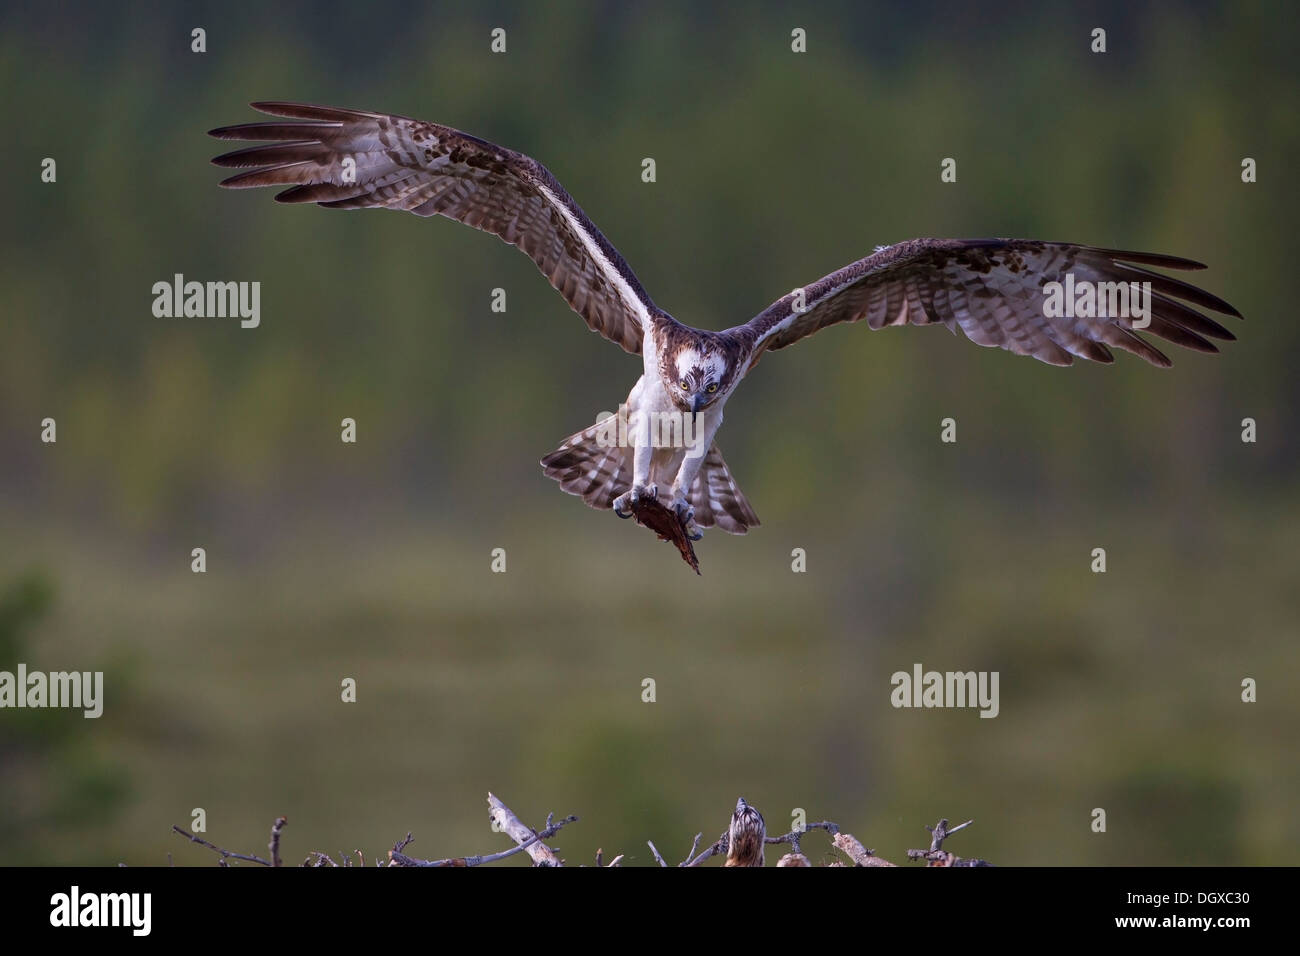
[696,378]
[745,836]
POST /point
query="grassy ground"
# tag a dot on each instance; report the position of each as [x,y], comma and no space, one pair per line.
[1118,691]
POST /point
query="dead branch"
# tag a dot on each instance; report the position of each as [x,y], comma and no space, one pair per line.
[532,842]
[655,850]
[274,845]
[397,858]
[794,836]
[504,819]
[852,847]
[936,855]
[225,854]
[717,848]
[846,843]
[694,846]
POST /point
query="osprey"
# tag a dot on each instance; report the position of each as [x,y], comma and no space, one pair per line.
[998,292]
[745,836]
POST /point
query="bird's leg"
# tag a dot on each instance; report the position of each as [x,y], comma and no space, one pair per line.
[641,487]
[681,485]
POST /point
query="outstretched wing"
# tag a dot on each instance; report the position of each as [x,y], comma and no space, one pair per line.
[347,159]
[993,291]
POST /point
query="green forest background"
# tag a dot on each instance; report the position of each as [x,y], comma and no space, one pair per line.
[326,560]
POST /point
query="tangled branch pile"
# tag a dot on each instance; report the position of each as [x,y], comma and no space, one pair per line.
[730,845]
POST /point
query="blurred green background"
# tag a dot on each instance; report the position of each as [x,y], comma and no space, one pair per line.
[371,561]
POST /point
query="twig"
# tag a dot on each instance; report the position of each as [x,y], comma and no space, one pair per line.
[655,850]
[848,844]
[942,832]
[274,845]
[937,855]
[794,836]
[225,854]
[719,846]
[694,846]
[400,859]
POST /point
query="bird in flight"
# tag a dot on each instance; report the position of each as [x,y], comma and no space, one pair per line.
[1054,301]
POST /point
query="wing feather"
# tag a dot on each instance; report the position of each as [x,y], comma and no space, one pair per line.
[993,291]
[349,159]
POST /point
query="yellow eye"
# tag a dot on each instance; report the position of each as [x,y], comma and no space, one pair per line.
[712,388]
[682,383]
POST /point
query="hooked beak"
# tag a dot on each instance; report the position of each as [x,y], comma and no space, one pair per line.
[697,402]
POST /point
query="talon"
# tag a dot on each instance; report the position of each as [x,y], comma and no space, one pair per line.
[621,507]
[645,491]
[686,515]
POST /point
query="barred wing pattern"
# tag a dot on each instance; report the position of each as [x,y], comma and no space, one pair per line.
[718,500]
[992,291]
[599,473]
[349,159]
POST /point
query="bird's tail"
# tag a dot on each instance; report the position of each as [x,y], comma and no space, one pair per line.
[595,470]
[717,499]
[598,471]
